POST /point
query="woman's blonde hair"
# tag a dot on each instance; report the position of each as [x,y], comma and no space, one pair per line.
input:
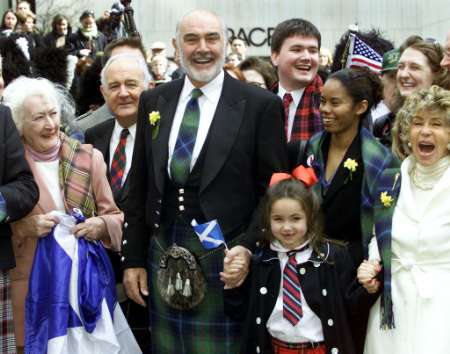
[435,98]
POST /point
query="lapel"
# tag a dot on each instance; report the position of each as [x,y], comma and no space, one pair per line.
[166,105]
[342,175]
[223,131]
[103,144]
[45,203]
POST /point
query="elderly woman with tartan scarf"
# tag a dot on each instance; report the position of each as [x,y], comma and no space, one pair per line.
[417,210]
[69,175]
[349,163]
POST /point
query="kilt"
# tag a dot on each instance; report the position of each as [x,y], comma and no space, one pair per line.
[204,329]
[7,338]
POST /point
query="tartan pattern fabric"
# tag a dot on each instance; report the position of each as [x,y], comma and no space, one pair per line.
[287,99]
[280,347]
[180,166]
[204,329]
[380,169]
[292,302]
[118,162]
[75,162]
[307,119]
[7,337]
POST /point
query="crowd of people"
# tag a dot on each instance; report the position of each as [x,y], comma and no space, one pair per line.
[220,202]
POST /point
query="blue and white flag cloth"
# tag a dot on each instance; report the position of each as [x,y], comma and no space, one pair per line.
[209,233]
[71,306]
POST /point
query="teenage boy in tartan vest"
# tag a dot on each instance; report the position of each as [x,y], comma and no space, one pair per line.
[206,146]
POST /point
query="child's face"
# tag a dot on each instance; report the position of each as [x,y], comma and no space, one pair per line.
[288,222]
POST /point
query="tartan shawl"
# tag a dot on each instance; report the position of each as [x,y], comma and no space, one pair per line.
[381,174]
[75,162]
[307,119]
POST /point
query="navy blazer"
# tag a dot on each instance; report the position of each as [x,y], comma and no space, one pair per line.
[328,285]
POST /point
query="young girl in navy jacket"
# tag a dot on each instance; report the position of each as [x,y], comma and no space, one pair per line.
[301,290]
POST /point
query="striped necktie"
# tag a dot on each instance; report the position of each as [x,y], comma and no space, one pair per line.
[118,162]
[180,166]
[292,302]
[287,99]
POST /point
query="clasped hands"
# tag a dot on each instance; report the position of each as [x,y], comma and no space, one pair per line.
[236,266]
[367,272]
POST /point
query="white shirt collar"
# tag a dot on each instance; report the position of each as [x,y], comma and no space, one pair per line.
[118,129]
[296,94]
[211,90]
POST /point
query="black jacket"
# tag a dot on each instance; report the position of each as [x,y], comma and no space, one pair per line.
[17,185]
[245,145]
[328,285]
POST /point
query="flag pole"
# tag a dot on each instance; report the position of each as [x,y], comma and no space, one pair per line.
[345,54]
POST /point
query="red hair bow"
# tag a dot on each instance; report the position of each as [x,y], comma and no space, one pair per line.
[302,173]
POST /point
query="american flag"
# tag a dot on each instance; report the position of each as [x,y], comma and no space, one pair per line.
[360,54]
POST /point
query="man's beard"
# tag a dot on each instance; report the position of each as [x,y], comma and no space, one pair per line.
[202,75]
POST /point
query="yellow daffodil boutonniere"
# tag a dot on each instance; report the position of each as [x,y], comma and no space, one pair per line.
[154,119]
[386,199]
[351,166]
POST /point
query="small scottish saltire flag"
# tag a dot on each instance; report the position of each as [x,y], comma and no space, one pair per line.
[209,233]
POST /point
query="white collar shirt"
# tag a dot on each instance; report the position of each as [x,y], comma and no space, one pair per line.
[296,97]
[207,103]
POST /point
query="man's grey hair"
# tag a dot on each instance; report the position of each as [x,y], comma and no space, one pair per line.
[127,56]
[222,25]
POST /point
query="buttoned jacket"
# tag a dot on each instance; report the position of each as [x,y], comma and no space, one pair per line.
[328,285]
[244,146]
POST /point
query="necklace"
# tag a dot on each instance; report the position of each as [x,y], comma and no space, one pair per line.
[419,181]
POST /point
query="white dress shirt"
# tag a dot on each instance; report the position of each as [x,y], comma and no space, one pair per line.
[309,329]
[207,104]
[296,97]
[129,147]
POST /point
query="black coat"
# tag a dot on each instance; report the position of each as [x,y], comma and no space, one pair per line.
[17,185]
[100,137]
[245,145]
[328,285]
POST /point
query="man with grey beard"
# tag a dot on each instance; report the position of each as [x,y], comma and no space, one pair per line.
[206,147]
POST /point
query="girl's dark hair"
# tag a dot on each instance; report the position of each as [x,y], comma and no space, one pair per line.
[294,189]
[2,26]
[361,84]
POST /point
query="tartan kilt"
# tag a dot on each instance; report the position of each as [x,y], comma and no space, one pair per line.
[204,329]
[7,337]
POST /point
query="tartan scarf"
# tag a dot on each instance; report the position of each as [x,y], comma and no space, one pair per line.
[307,119]
[381,174]
[75,162]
